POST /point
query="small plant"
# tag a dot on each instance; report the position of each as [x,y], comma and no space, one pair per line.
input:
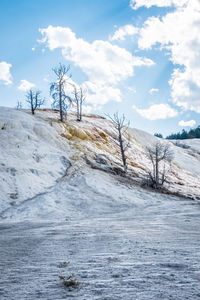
[70,282]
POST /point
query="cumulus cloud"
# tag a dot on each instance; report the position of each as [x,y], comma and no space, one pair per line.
[157,111]
[5,75]
[178,32]
[25,85]
[100,94]
[151,91]
[190,123]
[135,4]
[123,32]
[100,60]
[104,64]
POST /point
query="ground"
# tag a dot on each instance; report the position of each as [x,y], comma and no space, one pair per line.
[144,249]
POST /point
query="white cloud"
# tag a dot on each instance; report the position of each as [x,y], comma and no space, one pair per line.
[151,91]
[190,123]
[123,32]
[104,64]
[178,32]
[157,111]
[5,75]
[132,89]
[100,94]
[25,85]
[135,4]
[33,49]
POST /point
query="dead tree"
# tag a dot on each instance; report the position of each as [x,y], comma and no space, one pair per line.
[34,99]
[123,141]
[61,101]
[19,105]
[160,155]
[79,97]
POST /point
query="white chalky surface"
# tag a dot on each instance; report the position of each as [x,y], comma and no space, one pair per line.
[119,241]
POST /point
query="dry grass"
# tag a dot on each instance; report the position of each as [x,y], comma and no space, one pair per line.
[93,116]
[48,109]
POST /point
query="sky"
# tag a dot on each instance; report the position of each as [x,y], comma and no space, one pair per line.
[140,58]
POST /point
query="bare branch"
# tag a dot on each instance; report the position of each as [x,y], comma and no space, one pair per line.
[121,124]
[159,155]
[34,99]
[57,90]
[79,97]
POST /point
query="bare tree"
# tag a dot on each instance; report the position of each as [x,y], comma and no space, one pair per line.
[19,105]
[34,99]
[57,90]
[79,98]
[123,142]
[159,155]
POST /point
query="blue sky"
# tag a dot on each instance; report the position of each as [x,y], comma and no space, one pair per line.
[139,57]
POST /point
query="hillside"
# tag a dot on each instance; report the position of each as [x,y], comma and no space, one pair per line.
[37,151]
[67,211]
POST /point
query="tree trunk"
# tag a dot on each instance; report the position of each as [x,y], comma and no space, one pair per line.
[157,173]
[80,113]
[32,108]
[60,103]
[122,150]
[77,110]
